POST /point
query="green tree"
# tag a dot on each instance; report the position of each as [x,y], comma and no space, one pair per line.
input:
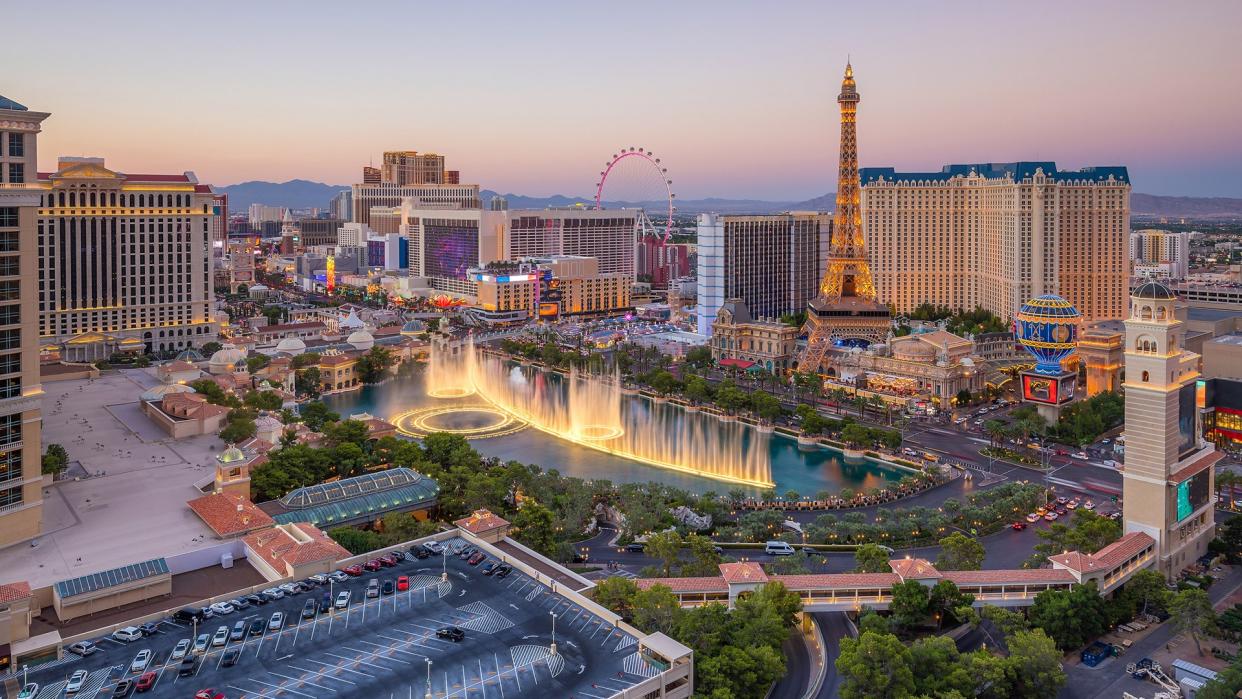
[910,606]
[730,398]
[263,400]
[256,362]
[1192,613]
[870,558]
[1070,617]
[238,429]
[55,459]
[960,552]
[937,669]
[738,672]
[1146,592]
[875,666]
[656,609]
[870,620]
[210,348]
[765,405]
[697,390]
[400,527]
[534,525]
[946,601]
[963,397]
[617,594]
[308,382]
[1008,621]
[1231,533]
[345,432]
[665,546]
[699,357]
[704,561]
[373,365]
[1227,684]
[1036,664]
[856,435]
[356,541]
[315,415]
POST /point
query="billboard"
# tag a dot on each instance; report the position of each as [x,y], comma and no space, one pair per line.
[1049,390]
[1187,419]
[1192,494]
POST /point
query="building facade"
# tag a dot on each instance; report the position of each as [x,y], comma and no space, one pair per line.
[1169,481]
[548,287]
[772,262]
[996,234]
[407,167]
[764,341]
[1160,254]
[318,231]
[21,477]
[607,235]
[448,196]
[444,244]
[660,263]
[125,256]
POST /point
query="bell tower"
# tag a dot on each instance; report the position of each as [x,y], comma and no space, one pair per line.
[1169,480]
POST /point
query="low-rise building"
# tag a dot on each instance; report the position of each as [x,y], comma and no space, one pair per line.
[183,415]
[937,365]
[293,550]
[764,341]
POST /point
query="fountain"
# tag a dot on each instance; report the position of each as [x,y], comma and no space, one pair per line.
[447,370]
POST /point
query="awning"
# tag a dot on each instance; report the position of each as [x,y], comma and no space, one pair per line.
[736,363]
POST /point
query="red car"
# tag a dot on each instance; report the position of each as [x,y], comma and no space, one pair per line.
[403,583]
[387,560]
[476,558]
[145,682]
[1018,526]
[352,571]
[208,694]
[372,565]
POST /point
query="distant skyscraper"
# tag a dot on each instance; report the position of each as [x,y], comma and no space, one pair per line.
[409,167]
[660,263]
[342,205]
[444,244]
[1156,253]
[607,235]
[219,225]
[448,196]
[318,231]
[262,213]
[771,262]
[370,175]
[21,477]
[962,237]
[845,308]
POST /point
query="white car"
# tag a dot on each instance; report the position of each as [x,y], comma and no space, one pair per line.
[129,634]
[277,622]
[221,636]
[291,588]
[319,579]
[434,547]
[76,680]
[201,643]
[82,648]
[1079,455]
[339,576]
[342,599]
[274,593]
[222,608]
[141,661]
[179,650]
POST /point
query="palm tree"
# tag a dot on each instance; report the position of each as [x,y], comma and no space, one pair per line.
[838,397]
[996,430]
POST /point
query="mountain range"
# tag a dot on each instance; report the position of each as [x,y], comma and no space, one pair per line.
[304,194]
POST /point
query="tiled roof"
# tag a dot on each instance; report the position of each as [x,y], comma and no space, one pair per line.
[280,549]
[746,572]
[11,592]
[914,569]
[988,577]
[481,521]
[229,515]
[1077,561]
[837,581]
[1200,464]
[707,584]
[1123,549]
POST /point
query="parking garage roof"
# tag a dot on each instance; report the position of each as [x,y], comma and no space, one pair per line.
[111,578]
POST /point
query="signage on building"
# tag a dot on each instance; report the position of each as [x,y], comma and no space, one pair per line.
[1048,389]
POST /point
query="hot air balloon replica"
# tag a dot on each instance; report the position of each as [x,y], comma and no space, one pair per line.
[1047,327]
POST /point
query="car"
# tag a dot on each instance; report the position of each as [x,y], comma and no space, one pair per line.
[373,588]
[180,650]
[1032,518]
[1061,500]
[274,593]
[311,583]
[1071,505]
[82,648]
[222,608]
[1079,455]
[372,565]
[1018,526]
[387,588]
[502,571]
[221,636]
[778,548]
[257,627]
[338,576]
[1088,505]
[146,681]
[208,694]
[140,661]
[149,628]
[29,690]
[188,615]
[1062,452]
[310,609]
[342,599]
[201,643]
[476,559]
[433,547]
[457,548]
[467,552]
[490,567]
[403,583]
[123,688]
[319,579]
[325,602]
[129,634]
[276,622]
[451,633]
[229,659]
[207,612]
[76,680]
[291,588]
[1060,511]
[239,631]
[387,560]
[256,600]
[420,553]
[353,571]
[1105,440]
[635,547]
[1051,516]
[189,665]
[239,603]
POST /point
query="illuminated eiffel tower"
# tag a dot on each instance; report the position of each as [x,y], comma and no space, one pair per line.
[845,311]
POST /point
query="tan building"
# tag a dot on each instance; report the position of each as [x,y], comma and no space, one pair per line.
[294,550]
[550,286]
[126,255]
[1222,356]
[337,371]
[183,415]
[962,237]
[764,341]
[407,167]
[936,365]
[1169,480]
[1101,347]
[21,479]
[607,235]
[388,194]
[585,288]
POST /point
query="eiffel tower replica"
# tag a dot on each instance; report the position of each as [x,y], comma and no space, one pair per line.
[845,312]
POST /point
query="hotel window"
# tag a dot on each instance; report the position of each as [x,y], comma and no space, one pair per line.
[17,145]
[17,173]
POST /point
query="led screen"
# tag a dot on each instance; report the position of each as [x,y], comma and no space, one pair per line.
[1192,494]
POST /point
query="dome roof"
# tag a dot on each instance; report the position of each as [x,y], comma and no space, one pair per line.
[1049,306]
[414,327]
[292,345]
[351,321]
[157,393]
[266,423]
[361,339]
[228,356]
[231,455]
[190,355]
[1153,290]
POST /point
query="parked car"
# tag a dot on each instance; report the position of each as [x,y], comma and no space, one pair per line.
[420,552]
[451,633]
[310,609]
[325,604]
[778,548]
[257,627]
[372,565]
[338,576]
[403,583]
[457,548]
[635,547]
[180,650]
[221,636]
[149,628]
[373,588]
[319,579]
[208,694]
[122,688]
[1032,518]
[476,559]
[1018,526]
[239,631]
[140,661]
[29,690]
[229,659]
[256,600]
[76,680]
[145,682]
[274,593]
[387,588]
[129,634]
[189,665]
[239,603]
[222,608]
[353,571]
[434,547]
[387,560]
[467,552]
[342,599]
[277,621]
[188,615]
[82,648]
[291,588]
[1051,516]
[201,643]
[502,571]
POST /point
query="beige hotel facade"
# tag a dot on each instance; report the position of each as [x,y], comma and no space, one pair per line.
[996,234]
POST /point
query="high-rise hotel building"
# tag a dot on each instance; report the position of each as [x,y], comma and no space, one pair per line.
[21,478]
[411,175]
[772,262]
[123,259]
[996,234]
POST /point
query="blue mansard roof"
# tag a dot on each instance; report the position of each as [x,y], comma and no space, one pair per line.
[1010,171]
[6,103]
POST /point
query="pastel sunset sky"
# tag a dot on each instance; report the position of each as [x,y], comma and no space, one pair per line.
[738,98]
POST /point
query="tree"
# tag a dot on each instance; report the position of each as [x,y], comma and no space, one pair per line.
[263,400]
[738,672]
[256,362]
[704,561]
[960,552]
[855,435]
[356,541]
[870,558]
[238,429]
[1227,684]
[730,398]
[697,390]
[210,348]
[937,669]
[699,357]
[400,527]
[910,605]
[345,432]
[1070,617]
[875,666]
[1231,533]
[665,546]
[656,609]
[963,397]
[1146,592]
[1008,621]
[308,381]
[870,620]
[1035,663]
[1192,613]
[55,459]
[315,415]
[946,600]
[534,526]
[374,364]
[765,405]
[617,594]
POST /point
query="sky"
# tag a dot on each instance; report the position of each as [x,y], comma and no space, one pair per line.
[736,98]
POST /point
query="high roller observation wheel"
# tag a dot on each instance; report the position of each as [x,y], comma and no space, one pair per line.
[658,168]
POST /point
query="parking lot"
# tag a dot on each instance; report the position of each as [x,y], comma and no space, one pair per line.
[380,646]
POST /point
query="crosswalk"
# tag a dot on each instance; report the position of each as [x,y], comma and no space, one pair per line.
[635,665]
[625,642]
[486,619]
[525,656]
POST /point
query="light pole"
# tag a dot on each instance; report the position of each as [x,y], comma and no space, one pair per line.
[428,695]
[444,564]
[552,649]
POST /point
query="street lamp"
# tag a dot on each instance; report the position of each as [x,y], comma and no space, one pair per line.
[552,649]
[428,695]
[444,564]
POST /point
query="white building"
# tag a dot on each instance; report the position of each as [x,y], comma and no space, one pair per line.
[262,213]
[1160,254]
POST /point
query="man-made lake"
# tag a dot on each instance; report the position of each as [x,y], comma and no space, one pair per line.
[807,471]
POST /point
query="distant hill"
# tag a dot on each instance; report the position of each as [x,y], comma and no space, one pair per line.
[1188,207]
[294,194]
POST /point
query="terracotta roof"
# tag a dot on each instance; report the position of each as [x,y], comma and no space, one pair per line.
[203,188]
[837,581]
[1077,561]
[281,547]
[708,584]
[335,359]
[1123,549]
[1199,464]
[481,521]
[176,366]
[375,425]
[190,406]
[914,569]
[292,326]
[988,577]
[747,572]
[229,515]
[11,592]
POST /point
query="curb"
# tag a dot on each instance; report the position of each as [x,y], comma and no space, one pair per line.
[817,681]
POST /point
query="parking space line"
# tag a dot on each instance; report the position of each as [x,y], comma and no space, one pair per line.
[356,660]
[279,687]
[299,680]
[395,650]
[246,692]
[323,674]
[340,666]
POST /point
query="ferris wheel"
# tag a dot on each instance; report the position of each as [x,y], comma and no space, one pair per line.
[635,178]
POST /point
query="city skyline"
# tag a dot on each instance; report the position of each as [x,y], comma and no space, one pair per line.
[702,85]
